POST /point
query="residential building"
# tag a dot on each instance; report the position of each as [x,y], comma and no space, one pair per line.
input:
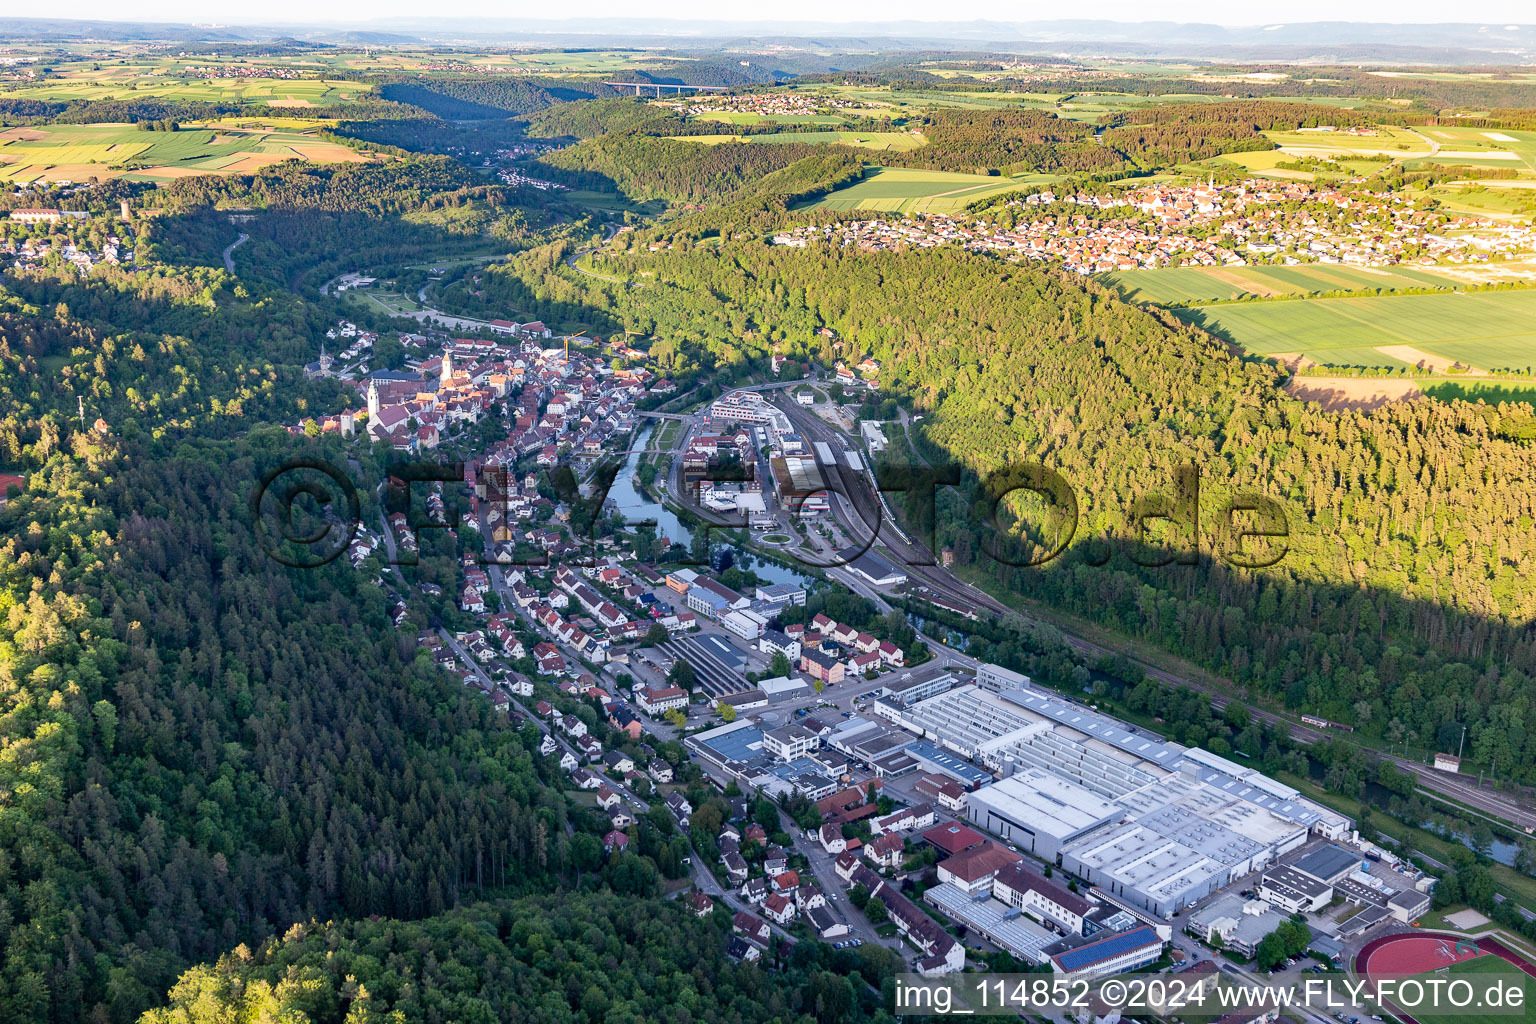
[1041,898]
[659,700]
[973,869]
[822,667]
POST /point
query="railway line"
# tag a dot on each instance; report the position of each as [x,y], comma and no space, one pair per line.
[856,492]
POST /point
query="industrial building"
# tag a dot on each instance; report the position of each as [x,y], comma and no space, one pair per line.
[1151,822]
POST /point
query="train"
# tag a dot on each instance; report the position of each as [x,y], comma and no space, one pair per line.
[1323,723]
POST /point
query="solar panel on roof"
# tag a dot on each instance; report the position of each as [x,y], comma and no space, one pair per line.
[1104,949]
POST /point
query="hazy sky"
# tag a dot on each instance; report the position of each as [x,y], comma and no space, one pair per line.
[1213,11]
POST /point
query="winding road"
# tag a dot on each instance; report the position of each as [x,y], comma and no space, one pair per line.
[229,251]
[570,261]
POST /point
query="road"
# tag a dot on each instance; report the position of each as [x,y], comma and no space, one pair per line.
[570,261]
[229,251]
[823,868]
[474,666]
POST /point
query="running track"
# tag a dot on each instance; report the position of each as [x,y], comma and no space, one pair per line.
[1492,947]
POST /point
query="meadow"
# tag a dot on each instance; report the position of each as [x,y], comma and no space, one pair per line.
[1398,143]
[914,190]
[1184,286]
[1484,330]
[82,152]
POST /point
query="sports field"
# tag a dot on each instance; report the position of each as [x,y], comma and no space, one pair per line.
[1485,330]
[81,152]
[914,190]
[1435,956]
[1182,286]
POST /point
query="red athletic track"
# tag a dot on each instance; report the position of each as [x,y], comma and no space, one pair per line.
[1416,953]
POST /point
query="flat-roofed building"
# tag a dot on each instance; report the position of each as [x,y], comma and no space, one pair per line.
[745,623]
[1294,892]
[1037,811]
[1408,905]
[1328,863]
[1241,923]
[997,679]
[871,567]
[780,594]
[999,923]
[918,684]
[790,741]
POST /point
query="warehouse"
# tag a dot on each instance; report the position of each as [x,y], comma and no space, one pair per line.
[1038,812]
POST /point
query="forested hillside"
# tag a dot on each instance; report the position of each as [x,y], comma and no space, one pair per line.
[642,167]
[596,958]
[204,745]
[469,98]
[1399,606]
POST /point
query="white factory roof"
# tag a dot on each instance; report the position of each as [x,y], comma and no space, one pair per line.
[1045,803]
[1143,745]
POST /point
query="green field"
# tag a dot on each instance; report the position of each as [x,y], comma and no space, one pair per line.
[154,81]
[1481,147]
[1183,286]
[1487,330]
[913,190]
[1486,966]
[81,152]
[1398,143]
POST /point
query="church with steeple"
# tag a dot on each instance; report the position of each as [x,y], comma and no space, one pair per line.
[320,367]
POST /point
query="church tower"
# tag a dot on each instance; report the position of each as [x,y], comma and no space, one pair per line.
[373,402]
[447,377]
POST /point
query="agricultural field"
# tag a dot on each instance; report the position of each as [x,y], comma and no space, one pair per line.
[1481,330]
[1265,163]
[1511,201]
[1397,143]
[1477,147]
[913,190]
[138,81]
[1183,286]
[82,152]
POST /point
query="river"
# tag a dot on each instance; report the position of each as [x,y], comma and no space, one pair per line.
[636,507]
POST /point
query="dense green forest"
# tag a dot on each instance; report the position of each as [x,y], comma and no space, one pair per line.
[204,746]
[466,98]
[582,959]
[643,167]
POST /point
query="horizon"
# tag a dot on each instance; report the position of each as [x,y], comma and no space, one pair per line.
[1205,14]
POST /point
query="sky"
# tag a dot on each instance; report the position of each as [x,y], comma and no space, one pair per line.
[1221,12]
